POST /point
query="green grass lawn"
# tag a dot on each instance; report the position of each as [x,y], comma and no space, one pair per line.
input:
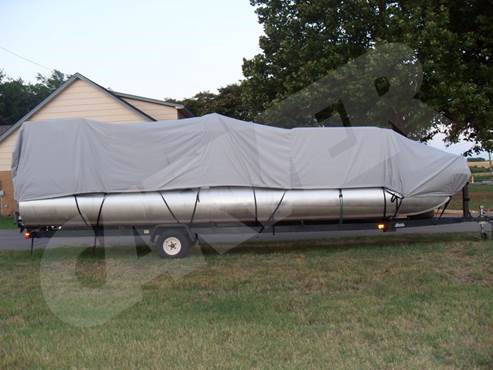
[386,302]
[7,223]
[479,194]
[482,176]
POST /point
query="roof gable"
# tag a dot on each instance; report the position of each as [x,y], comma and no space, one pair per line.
[148,100]
[83,100]
[4,128]
[129,98]
[57,92]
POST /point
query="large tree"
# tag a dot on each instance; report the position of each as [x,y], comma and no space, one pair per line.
[228,101]
[18,97]
[450,40]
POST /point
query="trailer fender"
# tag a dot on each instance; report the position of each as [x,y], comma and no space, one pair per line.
[159,229]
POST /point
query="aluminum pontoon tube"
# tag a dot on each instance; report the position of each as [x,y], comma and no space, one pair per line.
[222,205]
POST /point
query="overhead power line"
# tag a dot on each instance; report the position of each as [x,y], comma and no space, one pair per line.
[26,59]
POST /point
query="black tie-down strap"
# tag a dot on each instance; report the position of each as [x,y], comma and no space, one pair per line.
[99,212]
[80,213]
[197,200]
[98,230]
[445,207]
[341,207]
[397,199]
[384,203]
[169,208]
[95,228]
[256,205]
[271,217]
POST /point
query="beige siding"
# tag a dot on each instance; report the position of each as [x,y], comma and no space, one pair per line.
[6,150]
[81,99]
[8,204]
[157,111]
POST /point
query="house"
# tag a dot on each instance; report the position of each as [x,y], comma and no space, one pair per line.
[4,128]
[82,98]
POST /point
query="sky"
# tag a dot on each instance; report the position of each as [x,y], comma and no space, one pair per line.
[167,48]
[158,49]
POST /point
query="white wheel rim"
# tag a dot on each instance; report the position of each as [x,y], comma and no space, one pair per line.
[172,246]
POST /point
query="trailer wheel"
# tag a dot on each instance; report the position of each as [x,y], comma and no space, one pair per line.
[173,244]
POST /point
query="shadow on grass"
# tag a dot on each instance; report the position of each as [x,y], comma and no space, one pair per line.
[100,252]
[338,244]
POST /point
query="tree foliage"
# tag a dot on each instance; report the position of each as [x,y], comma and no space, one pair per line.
[17,97]
[228,101]
[452,43]
[326,62]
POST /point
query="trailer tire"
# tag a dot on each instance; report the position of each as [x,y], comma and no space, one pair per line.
[173,244]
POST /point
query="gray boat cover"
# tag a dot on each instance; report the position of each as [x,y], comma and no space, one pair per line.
[78,156]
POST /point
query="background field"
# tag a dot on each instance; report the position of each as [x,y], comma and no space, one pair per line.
[479,194]
[393,302]
[480,171]
[482,164]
